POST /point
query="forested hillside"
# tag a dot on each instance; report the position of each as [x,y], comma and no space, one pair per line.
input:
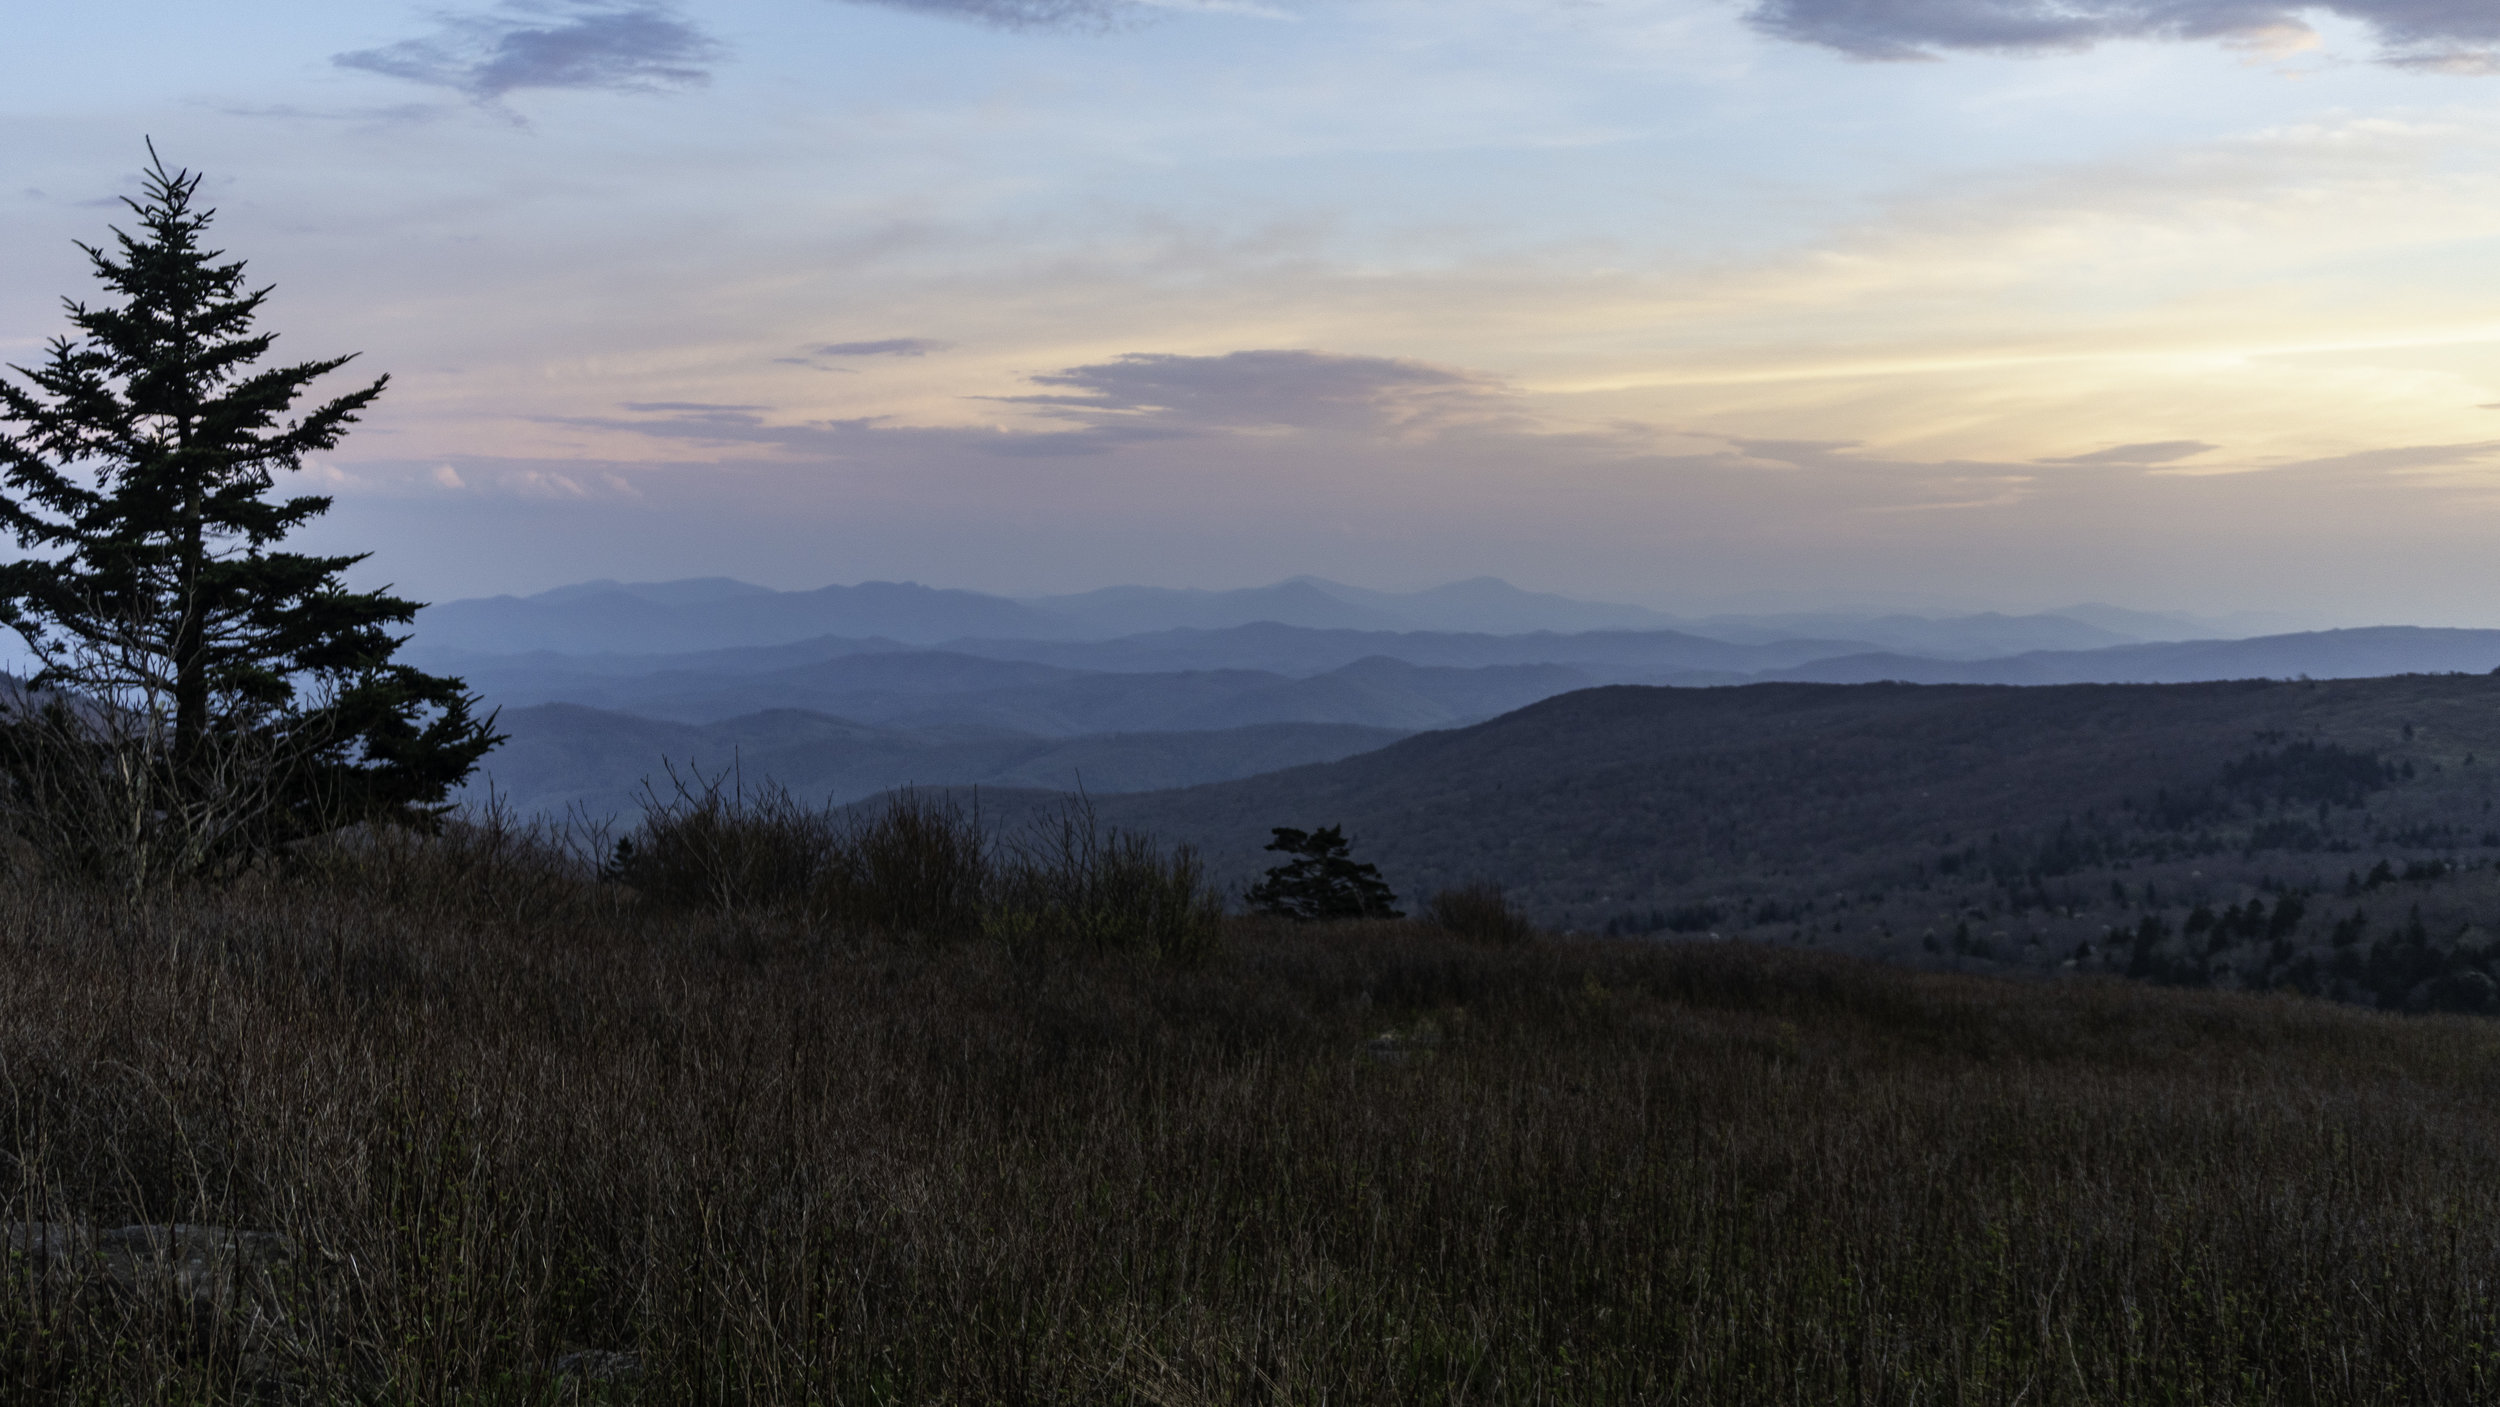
[2333,836]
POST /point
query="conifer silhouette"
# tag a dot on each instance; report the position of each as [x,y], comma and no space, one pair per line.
[229,695]
[1322,881]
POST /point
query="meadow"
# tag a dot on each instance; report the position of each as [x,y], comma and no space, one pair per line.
[533,1133]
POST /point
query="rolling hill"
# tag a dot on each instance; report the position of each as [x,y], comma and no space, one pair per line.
[566,759]
[2000,826]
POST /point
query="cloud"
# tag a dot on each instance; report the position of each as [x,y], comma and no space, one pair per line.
[1069,14]
[549,44]
[2154,452]
[868,438]
[1274,390]
[2398,459]
[883,347]
[817,356]
[1017,14]
[2455,36]
[1144,398]
[1911,485]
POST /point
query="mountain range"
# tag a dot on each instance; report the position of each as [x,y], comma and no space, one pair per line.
[716,612]
[849,689]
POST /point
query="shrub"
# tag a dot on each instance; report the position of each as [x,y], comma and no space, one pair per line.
[714,843]
[1069,882]
[1479,911]
[481,863]
[915,866]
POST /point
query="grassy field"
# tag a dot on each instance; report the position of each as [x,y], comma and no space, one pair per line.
[508,1114]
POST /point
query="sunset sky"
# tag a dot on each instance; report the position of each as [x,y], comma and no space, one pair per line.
[1991,304]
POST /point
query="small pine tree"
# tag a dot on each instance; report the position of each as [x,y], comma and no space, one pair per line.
[204,695]
[1321,881]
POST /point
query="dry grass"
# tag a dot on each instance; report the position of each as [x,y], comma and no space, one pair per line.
[510,1113]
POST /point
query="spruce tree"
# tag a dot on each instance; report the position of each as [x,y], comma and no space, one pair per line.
[204,695]
[1322,881]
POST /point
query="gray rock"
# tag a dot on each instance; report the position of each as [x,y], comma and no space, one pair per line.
[204,1268]
[599,1365]
[216,1279]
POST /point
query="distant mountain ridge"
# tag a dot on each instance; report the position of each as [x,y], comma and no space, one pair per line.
[566,759]
[938,688]
[714,613]
[1480,605]
[2367,653]
[638,671]
[717,612]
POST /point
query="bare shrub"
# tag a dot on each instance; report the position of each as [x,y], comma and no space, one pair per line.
[1069,881]
[94,784]
[1479,911]
[482,861]
[717,843]
[916,865]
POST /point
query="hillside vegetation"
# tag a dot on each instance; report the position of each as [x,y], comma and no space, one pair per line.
[533,1138]
[2332,836]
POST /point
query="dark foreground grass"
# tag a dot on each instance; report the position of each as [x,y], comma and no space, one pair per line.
[509,1115]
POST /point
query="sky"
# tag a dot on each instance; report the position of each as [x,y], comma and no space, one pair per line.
[1706,304]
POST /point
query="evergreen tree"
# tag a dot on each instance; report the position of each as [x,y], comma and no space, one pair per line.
[1322,881]
[204,695]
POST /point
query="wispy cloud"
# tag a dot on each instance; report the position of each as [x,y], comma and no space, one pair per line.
[867,438]
[882,347]
[1145,398]
[1911,485]
[2404,459]
[1275,389]
[2153,452]
[2455,36]
[1071,14]
[549,44]
[1017,14]
[822,356]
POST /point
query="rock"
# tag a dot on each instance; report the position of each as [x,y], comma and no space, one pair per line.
[599,1365]
[214,1277]
[44,1242]
[208,1269]
[207,1289]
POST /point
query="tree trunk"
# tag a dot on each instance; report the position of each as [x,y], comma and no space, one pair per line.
[190,646]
